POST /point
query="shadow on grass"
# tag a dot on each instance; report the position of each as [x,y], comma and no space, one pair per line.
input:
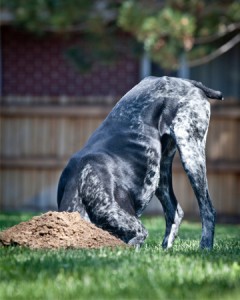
[23,264]
[26,264]
[33,262]
[142,271]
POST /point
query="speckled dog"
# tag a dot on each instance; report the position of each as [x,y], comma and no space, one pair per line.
[129,157]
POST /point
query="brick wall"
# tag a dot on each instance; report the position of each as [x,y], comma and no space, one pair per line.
[38,66]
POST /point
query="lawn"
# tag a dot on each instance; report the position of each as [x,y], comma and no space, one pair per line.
[183,272]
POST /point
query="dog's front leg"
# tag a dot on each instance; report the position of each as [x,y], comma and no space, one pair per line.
[172,210]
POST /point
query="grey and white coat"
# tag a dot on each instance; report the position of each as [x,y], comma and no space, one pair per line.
[128,159]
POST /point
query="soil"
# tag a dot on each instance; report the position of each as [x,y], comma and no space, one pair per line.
[54,230]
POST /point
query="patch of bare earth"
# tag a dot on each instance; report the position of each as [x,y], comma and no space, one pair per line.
[54,230]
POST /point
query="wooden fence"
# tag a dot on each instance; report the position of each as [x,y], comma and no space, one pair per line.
[37,140]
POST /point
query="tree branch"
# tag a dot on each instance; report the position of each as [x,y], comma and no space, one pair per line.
[212,38]
[223,49]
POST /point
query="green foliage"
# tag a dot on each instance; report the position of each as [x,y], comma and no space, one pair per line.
[166,29]
[184,272]
[172,28]
[164,32]
[40,15]
[94,20]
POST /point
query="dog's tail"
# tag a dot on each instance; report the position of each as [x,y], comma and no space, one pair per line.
[212,94]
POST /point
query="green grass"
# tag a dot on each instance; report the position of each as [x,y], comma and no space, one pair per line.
[184,272]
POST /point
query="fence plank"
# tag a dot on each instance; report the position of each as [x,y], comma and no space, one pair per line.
[83,111]
[37,141]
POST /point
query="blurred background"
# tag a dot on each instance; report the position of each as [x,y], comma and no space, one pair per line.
[64,64]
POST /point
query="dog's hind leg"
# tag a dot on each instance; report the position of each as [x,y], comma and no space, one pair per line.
[194,164]
[70,200]
[115,220]
[103,210]
[172,210]
[190,138]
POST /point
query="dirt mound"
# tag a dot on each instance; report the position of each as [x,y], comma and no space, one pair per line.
[58,230]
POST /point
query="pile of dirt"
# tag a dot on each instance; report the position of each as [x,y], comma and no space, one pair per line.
[58,230]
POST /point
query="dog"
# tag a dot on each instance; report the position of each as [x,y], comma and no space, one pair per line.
[128,159]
